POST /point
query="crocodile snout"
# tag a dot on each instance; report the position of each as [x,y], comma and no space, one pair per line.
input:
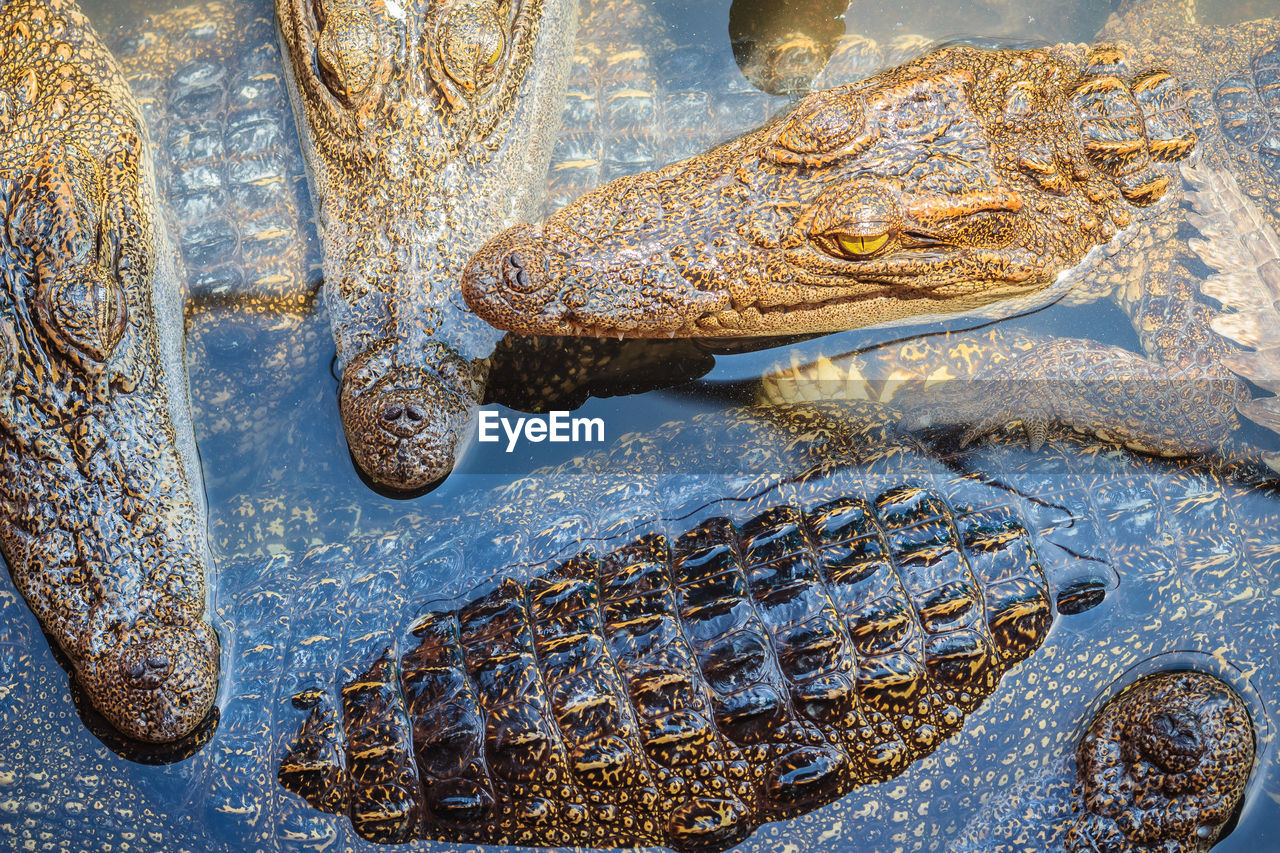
[143,670]
[153,681]
[517,275]
[512,285]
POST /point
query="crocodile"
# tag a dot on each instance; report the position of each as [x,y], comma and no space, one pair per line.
[969,181]
[1181,731]
[411,718]
[448,139]
[227,190]
[196,89]
[102,521]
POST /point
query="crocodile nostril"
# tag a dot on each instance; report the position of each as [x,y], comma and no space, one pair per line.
[517,275]
[403,420]
[145,670]
[158,664]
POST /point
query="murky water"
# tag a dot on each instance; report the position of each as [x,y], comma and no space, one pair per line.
[63,788]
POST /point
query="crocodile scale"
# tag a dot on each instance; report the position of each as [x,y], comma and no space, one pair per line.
[679,693]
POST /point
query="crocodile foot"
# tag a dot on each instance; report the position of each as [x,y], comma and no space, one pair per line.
[1092,388]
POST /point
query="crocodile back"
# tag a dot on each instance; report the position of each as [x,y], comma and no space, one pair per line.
[229,168]
[679,692]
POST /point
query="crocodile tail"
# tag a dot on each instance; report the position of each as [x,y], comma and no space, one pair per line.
[682,692]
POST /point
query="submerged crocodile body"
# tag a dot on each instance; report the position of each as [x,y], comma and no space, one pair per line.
[678,693]
[968,181]
[101,515]
[682,694]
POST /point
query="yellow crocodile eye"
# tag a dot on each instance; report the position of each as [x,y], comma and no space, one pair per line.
[859,245]
[496,55]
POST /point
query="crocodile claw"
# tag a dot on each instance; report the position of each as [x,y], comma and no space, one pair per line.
[1035,428]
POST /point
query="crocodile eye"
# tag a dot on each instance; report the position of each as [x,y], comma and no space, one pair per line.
[852,242]
[852,221]
[498,47]
[858,245]
[59,215]
[468,43]
[349,52]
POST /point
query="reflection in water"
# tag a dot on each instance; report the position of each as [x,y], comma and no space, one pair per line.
[280,482]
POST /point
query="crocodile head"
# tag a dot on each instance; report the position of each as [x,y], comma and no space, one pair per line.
[964,178]
[101,519]
[1181,737]
[426,127]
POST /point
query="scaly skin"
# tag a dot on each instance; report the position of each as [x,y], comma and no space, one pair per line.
[438,118]
[229,170]
[697,686]
[437,737]
[101,517]
[1185,733]
[972,182]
